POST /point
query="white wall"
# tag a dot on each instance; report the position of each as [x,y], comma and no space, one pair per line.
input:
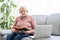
[38,7]
[55,6]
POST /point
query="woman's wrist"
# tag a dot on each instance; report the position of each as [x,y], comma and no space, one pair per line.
[30,32]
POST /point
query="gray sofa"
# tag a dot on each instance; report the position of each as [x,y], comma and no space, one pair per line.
[54,19]
[41,20]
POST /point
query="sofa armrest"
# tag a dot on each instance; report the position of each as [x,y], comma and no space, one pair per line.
[48,26]
[5,32]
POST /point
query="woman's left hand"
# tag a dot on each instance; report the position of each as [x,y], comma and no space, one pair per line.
[27,32]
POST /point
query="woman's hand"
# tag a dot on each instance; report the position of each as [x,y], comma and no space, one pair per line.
[28,32]
[14,30]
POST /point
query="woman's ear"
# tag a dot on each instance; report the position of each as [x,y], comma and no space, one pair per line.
[27,10]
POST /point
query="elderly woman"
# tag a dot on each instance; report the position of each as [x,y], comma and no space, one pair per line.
[23,21]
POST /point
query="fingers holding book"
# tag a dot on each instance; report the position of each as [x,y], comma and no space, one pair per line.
[20,27]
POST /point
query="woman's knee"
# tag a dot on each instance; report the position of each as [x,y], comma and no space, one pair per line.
[20,36]
[11,35]
[17,37]
[25,35]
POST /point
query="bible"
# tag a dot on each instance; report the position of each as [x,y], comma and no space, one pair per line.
[25,29]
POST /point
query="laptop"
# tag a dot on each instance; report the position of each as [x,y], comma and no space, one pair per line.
[42,31]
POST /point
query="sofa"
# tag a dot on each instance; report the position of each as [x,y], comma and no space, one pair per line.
[54,19]
[41,20]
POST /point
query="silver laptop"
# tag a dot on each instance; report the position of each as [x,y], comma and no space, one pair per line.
[42,31]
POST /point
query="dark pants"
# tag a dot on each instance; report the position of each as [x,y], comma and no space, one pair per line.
[17,36]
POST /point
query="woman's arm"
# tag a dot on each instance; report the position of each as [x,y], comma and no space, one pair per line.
[13,29]
[33,23]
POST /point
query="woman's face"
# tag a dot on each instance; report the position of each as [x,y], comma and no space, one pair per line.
[23,11]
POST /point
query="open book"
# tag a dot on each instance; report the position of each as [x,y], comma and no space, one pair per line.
[25,29]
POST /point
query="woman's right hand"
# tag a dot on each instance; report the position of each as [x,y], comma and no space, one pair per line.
[14,30]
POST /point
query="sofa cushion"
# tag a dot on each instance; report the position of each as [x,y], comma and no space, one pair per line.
[55,16]
[40,19]
[27,38]
[48,38]
[1,37]
[55,23]
[4,37]
[4,32]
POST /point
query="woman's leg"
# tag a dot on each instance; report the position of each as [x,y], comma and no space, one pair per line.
[20,36]
[10,36]
[25,35]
